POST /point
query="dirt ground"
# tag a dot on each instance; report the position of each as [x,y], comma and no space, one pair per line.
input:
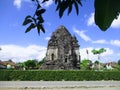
[59,85]
[65,88]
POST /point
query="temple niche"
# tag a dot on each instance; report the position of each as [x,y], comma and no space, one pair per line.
[62,51]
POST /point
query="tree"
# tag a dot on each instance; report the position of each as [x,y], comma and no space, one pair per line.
[105,12]
[41,62]
[119,62]
[96,62]
[98,52]
[30,64]
[21,65]
[86,64]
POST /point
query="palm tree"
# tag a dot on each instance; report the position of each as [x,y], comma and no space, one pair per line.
[98,52]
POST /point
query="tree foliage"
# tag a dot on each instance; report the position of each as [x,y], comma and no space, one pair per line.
[21,65]
[41,62]
[35,21]
[30,64]
[98,52]
[119,62]
[101,50]
[96,62]
[86,64]
[62,5]
[105,12]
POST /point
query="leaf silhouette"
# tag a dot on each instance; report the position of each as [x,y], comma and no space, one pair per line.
[27,21]
[30,27]
[105,12]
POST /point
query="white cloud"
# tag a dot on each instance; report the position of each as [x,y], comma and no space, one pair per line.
[20,54]
[90,20]
[82,34]
[116,23]
[115,42]
[118,54]
[84,54]
[48,3]
[107,56]
[111,42]
[17,3]
[104,56]
[47,38]
[85,37]
[101,41]
[108,52]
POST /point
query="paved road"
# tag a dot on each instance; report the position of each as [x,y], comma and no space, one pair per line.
[49,84]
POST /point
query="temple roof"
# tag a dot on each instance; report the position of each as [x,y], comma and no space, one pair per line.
[62,37]
[62,31]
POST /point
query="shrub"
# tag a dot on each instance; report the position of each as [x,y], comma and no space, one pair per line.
[48,75]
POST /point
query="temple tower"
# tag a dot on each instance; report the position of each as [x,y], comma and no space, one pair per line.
[62,51]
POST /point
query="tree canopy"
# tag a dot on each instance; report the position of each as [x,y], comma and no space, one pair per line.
[30,63]
[98,52]
[86,64]
[105,12]
[119,62]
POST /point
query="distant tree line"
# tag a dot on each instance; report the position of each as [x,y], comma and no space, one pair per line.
[30,64]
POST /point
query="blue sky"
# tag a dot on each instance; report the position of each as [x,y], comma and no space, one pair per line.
[19,46]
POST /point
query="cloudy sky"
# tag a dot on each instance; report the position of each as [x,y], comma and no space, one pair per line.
[18,46]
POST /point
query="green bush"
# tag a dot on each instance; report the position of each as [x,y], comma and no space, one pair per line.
[47,75]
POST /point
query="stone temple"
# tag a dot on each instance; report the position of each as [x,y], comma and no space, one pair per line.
[62,51]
